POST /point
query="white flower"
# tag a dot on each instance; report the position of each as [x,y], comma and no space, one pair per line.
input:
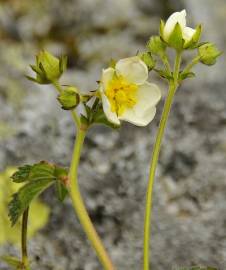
[126,94]
[178,18]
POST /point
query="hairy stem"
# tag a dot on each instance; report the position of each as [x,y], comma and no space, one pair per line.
[79,205]
[173,84]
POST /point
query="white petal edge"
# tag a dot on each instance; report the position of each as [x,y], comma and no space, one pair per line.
[139,120]
[111,116]
[133,69]
[107,75]
[148,95]
[176,17]
[188,33]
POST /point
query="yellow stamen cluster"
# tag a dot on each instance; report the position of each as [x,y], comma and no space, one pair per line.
[121,94]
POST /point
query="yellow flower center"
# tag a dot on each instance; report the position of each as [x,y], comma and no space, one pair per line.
[121,94]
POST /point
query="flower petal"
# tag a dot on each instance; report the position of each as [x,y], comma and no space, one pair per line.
[188,33]
[148,95]
[107,75]
[144,111]
[139,120]
[111,116]
[176,17]
[133,69]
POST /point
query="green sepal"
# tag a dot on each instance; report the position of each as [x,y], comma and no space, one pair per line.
[166,74]
[112,63]
[186,75]
[148,60]
[193,43]
[161,28]
[156,46]
[14,262]
[100,118]
[69,98]
[84,120]
[63,63]
[175,39]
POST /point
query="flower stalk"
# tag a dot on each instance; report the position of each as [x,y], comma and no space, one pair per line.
[173,85]
[25,261]
[79,205]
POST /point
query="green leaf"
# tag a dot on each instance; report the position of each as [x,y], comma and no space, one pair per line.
[33,172]
[22,174]
[38,177]
[12,261]
[176,38]
[22,199]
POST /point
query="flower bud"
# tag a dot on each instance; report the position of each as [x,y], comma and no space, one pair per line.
[177,34]
[69,98]
[48,68]
[156,46]
[208,54]
[148,60]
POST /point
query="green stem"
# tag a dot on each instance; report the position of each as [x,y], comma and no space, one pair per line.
[25,260]
[177,66]
[79,206]
[194,62]
[73,112]
[166,63]
[155,157]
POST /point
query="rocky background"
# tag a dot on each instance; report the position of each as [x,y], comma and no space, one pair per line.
[189,221]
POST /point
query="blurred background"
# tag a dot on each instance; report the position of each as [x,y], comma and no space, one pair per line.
[189,222]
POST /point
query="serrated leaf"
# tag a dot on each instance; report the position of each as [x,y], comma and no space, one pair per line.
[22,174]
[11,261]
[22,199]
[42,170]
